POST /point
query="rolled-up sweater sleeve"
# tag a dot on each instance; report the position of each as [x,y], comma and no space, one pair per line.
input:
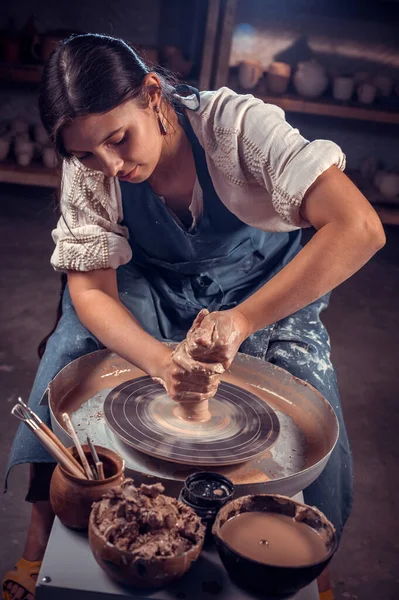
[89,235]
[260,165]
[283,161]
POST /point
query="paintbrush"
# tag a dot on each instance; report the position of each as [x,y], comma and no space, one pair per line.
[62,458]
[51,435]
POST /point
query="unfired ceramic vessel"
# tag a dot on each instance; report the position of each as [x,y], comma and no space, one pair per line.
[366,93]
[278,77]
[343,88]
[249,73]
[49,157]
[310,79]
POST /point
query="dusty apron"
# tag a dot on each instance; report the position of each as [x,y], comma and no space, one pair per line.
[172,275]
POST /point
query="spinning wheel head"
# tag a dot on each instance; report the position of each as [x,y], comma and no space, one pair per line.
[241,425]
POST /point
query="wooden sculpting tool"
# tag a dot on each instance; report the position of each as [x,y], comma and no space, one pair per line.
[100,469]
[78,445]
[96,460]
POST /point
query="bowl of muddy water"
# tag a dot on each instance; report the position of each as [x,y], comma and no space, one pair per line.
[273,545]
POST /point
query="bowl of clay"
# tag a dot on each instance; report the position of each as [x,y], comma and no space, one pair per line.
[271,544]
[142,538]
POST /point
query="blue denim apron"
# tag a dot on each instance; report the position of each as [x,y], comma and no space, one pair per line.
[172,275]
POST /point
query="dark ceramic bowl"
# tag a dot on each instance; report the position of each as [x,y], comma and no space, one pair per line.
[261,577]
[139,572]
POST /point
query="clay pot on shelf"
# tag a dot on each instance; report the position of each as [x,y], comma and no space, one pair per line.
[343,87]
[366,93]
[249,73]
[71,498]
[49,157]
[25,158]
[24,150]
[278,77]
[310,79]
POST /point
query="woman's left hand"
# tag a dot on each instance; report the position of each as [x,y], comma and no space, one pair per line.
[216,337]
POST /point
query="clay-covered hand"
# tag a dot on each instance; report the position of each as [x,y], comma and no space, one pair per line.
[216,337]
[186,379]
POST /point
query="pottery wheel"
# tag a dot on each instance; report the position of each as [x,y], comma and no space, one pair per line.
[241,426]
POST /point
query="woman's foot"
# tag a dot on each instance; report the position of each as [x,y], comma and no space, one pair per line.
[35,546]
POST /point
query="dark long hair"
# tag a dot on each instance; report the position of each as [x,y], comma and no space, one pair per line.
[92,73]
[88,74]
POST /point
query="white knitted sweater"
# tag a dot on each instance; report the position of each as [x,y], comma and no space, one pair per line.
[260,166]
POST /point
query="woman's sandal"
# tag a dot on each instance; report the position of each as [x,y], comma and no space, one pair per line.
[328,595]
[22,575]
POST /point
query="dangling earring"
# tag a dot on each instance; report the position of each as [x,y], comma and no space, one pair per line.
[162,126]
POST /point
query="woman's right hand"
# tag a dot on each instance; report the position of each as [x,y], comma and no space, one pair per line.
[186,379]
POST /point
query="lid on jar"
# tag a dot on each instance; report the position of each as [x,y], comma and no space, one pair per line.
[207,489]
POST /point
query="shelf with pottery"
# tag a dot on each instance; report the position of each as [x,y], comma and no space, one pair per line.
[305,93]
[329,108]
[310,90]
[26,154]
[33,174]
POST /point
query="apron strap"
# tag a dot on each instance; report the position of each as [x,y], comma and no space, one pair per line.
[198,151]
[185,91]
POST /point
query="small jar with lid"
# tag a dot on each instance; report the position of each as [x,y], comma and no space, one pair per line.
[206,493]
